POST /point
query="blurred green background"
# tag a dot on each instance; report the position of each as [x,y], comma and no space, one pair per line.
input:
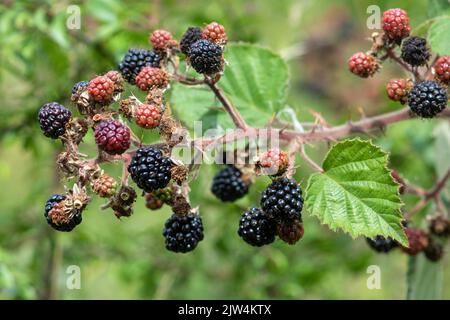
[40,60]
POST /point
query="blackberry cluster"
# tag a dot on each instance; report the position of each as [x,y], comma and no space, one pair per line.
[257,228]
[382,244]
[53,118]
[50,205]
[228,184]
[149,169]
[415,51]
[183,232]
[135,59]
[282,200]
[205,57]
[191,35]
[427,99]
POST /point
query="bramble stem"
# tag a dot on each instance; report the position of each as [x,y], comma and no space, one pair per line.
[238,120]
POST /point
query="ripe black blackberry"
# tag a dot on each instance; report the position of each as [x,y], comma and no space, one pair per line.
[382,244]
[228,184]
[282,200]
[135,59]
[415,51]
[257,228]
[427,99]
[51,205]
[149,169]
[434,251]
[205,57]
[191,35]
[183,232]
[53,118]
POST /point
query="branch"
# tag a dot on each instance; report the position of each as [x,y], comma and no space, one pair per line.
[363,126]
[434,192]
[232,111]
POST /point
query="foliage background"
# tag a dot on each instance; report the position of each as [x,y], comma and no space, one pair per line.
[40,60]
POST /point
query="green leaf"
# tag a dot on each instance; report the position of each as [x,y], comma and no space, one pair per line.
[425,279]
[255,80]
[438,36]
[356,192]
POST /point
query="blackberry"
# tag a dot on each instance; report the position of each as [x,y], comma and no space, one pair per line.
[112,136]
[191,35]
[206,57]
[228,184]
[418,241]
[382,244]
[183,232]
[282,200]
[363,65]
[149,169]
[215,33]
[434,251]
[440,226]
[415,51]
[53,118]
[79,86]
[257,228]
[427,99]
[135,59]
[396,24]
[442,69]
[53,206]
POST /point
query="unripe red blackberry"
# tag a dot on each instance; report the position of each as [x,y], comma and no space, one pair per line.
[191,35]
[101,89]
[382,244]
[112,136]
[440,226]
[150,78]
[427,99]
[396,24]
[442,69]
[116,77]
[135,59]
[215,33]
[53,118]
[183,232]
[282,200]
[149,169]
[415,51]
[105,186]
[273,162]
[434,251]
[147,116]
[161,39]
[206,57]
[363,65]
[57,217]
[418,241]
[257,228]
[398,89]
[290,231]
[228,184]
